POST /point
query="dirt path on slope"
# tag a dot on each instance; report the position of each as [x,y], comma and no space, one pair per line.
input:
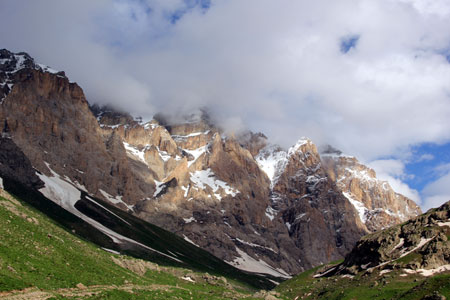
[36,294]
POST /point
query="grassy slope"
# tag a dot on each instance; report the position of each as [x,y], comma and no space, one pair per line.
[144,232]
[37,252]
[373,286]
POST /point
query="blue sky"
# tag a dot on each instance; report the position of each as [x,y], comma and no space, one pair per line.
[370,77]
[430,162]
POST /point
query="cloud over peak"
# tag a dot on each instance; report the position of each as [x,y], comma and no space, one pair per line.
[370,77]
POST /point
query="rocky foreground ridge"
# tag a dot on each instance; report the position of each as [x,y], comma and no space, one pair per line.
[406,261]
[251,203]
[420,245]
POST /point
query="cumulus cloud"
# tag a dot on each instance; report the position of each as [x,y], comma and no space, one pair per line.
[393,171]
[370,77]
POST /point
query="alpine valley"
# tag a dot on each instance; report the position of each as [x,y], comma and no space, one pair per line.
[186,194]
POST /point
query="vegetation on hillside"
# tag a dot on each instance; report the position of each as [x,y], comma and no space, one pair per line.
[40,259]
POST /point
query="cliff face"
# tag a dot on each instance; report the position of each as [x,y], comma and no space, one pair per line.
[253,204]
[378,205]
[49,118]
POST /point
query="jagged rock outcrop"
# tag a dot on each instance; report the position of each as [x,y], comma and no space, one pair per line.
[378,205]
[251,203]
[420,245]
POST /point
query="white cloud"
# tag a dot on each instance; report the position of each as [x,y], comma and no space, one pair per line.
[275,66]
[425,157]
[393,171]
[437,192]
[442,169]
[430,7]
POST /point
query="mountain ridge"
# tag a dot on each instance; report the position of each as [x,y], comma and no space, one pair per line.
[192,179]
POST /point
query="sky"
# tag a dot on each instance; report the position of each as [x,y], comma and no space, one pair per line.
[371,78]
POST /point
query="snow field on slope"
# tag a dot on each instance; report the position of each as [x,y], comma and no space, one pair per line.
[273,161]
[204,178]
[66,195]
[247,263]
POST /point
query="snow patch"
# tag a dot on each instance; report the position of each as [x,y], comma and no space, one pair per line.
[204,178]
[190,241]
[140,154]
[400,244]
[272,161]
[274,282]
[253,245]
[444,224]
[150,125]
[111,251]
[66,195]
[163,154]
[360,208]
[61,192]
[159,186]
[422,242]
[428,272]
[382,272]
[247,263]
[294,149]
[47,69]
[187,278]
[189,220]
[186,190]
[189,135]
[271,213]
[76,183]
[115,200]
[324,273]
[300,216]
[288,225]
[196,153]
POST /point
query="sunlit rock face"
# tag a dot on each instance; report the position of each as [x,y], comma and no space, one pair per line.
[251,203]
[378,205]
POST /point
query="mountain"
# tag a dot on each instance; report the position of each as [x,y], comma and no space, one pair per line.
[248,202]
[105,225]
[406,261]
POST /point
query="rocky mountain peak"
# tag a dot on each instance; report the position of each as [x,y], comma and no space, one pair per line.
[329,150]
[11,66]
[378,205]
[109,116]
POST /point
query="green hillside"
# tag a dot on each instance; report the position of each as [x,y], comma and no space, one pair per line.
[365,286]
[166,245]
[39,259]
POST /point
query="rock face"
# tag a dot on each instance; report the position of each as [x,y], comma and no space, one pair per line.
[255,205]
[378,205]
[49,119]
[420,245]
